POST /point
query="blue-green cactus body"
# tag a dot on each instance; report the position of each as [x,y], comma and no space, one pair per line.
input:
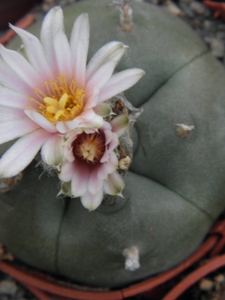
[175,189]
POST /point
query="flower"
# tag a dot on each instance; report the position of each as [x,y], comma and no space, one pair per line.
[54,91]
[90,164]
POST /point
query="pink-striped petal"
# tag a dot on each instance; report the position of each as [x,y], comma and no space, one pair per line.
[91,202]
[34,52]
[63,55]
[52,24]
[108,135]
[40,120]
[22,153]
[14,99]
[21,67]
[108,167]
[92,101]
[114,184]
[120,82]
[100,78]
[113,51]
[79,181]
[105,156]
[11,80]
[13,129]
[94,183]
[9,113]
[113,144]
[79,43]
[52,150]
[102,172]
[119,124]
[112,163]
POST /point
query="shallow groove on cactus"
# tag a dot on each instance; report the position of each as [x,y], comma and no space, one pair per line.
[182,197]
[173,74]
[66,202]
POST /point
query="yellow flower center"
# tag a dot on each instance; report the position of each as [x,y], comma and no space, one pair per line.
[62,102]
[89,147]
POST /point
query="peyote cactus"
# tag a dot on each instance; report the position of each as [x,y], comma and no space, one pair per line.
[175,187]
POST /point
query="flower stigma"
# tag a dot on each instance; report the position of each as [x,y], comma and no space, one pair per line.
[89,147]
[62,102]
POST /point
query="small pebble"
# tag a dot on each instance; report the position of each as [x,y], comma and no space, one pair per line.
[63,2]
[200,8]
[197,7]
[217,47]
[206,284]
[220,278]
[173,8]
[221,27]
[186,1]
[8,287]
[187,10]
[221,35]
[209,25]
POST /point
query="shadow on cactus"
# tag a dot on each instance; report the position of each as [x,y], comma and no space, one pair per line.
[73,115]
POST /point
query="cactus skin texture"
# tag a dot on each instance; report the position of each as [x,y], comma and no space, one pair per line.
[175,189]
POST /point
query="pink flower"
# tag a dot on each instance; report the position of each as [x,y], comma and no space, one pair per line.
[54,92]
[90,163]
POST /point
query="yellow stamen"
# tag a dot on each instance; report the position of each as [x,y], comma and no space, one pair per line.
[62,102]
[88,151]
[50,101]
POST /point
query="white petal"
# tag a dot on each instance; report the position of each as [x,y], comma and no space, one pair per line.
[52,150]
[114,184]
[85,120]
[100,78]
[22,153]
[79,42]
[34,52]
[16,128]
[52,24]
[120,82]
[111,51]
[91,202]
[11,80]
[119,124]
[67,171]
[14,99]
[40,120]
[21,67]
